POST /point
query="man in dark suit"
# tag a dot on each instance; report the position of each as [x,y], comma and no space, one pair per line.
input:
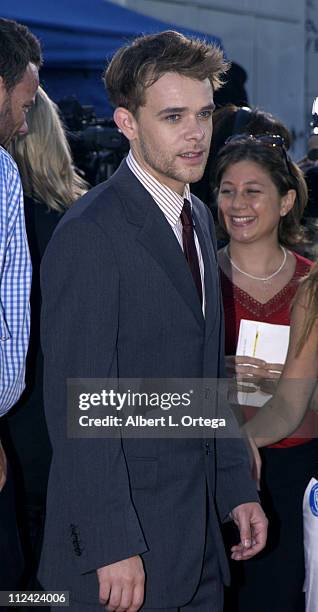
[130,290]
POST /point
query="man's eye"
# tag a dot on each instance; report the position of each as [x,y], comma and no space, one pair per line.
[205,114]
[253,191]
[173,118]
[225,191]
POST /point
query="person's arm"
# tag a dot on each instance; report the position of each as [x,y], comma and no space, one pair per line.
[234,484]
[285,411]
[80,318]
[15,284]
[236,494]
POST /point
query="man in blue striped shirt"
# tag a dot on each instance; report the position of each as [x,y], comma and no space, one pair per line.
[15,281]
[20,58]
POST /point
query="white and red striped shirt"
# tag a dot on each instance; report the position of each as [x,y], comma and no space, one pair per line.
[170,203]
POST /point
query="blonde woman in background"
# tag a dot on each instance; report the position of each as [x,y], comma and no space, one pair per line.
[297,387]
[296,392]
[44,158]
[51,185]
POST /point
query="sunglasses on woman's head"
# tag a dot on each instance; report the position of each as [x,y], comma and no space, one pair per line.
[272,140]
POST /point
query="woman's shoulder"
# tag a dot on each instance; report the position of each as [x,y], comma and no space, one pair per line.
[301,260]
[303,264]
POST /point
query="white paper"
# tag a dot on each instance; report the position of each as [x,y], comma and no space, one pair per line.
[265,341]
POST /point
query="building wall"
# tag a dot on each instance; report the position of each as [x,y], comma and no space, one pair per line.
[266,38]
[311,85]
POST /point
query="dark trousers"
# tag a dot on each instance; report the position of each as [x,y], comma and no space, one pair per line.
[209,594]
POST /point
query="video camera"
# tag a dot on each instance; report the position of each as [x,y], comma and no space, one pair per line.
[96,143]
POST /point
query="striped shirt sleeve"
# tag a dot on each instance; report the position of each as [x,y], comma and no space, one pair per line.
[15,284]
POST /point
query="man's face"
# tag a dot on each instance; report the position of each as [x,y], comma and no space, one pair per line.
[14,104]
[174,129]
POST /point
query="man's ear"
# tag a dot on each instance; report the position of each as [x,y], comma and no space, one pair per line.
[3,90]
[126,122]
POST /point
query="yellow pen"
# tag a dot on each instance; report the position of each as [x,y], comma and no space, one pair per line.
[255,343]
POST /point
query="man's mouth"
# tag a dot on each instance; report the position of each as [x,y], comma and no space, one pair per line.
[193,155]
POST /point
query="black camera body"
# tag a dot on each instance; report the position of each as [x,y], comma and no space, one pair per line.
[96,143]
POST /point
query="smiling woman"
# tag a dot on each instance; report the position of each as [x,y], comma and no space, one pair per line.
[261,197]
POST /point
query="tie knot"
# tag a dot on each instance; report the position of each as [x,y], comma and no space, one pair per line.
[186,215]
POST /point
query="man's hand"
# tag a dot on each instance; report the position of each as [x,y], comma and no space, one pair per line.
[3,467]
[121,585]
[252,524]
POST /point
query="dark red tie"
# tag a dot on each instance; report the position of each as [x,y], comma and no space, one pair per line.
[189,247]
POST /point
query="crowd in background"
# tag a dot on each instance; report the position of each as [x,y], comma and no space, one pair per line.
[267,244]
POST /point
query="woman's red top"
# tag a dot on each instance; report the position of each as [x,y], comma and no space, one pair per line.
[240,305]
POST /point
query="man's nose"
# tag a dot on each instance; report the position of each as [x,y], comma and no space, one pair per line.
[195,130]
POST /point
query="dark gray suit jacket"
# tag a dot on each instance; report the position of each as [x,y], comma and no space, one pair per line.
[119,301]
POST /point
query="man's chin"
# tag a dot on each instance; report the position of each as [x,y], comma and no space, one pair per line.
[194,177]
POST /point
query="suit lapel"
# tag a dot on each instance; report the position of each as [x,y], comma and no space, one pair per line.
[158,238]
[210,271]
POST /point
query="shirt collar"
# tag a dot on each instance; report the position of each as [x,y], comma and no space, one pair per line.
[169,201]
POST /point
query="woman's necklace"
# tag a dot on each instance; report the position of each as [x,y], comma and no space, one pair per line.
[259,278]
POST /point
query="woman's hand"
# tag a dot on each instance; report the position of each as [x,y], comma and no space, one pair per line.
[251,369]
[249,375]
[269,385]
